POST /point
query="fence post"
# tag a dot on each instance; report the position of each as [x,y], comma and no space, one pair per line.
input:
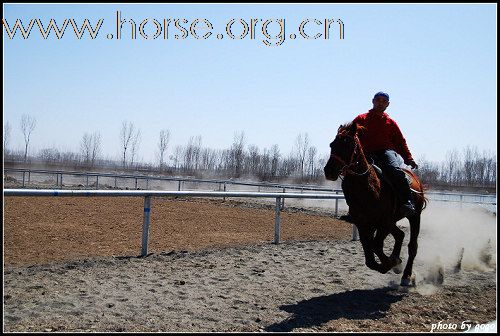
[97,182]
[283,200]
[29,176]
[355,233]
[23,178]
[224,198]
[61,181]
[145,225]
[277,221]
[336,205]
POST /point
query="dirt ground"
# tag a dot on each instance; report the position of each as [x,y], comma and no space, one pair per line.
[44,229]
[70,265]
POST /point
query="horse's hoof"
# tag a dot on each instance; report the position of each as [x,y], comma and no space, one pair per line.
[408,282]
[398,268]
[405,282]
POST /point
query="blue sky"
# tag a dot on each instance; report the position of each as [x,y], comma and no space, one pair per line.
[437,61]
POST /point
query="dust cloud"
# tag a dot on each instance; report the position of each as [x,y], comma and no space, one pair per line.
[454,238]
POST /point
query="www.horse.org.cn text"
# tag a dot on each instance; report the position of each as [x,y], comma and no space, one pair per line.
[271,32]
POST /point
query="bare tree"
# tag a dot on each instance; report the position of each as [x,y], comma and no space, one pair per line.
[28,124]
[90,148]
[311,160]
[50,155]
[302,143]
[468,165]
[162,146]
[275,159]
[187,157]
[96,147]
[176,157]
[136,140]
[253,160]
[428,171]
[451,167]
[192,154]
[208,159]
[85,148]
[489,169]
[6,137]
[197,152]
[237,154]
[264,168]
[127,136]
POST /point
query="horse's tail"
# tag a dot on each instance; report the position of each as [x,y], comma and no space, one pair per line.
[424,199]
[421,195]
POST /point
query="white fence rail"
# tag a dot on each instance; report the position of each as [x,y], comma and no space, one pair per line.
[88,176]
[489,199]
[156,193]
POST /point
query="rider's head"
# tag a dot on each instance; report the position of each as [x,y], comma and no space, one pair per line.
[380,101]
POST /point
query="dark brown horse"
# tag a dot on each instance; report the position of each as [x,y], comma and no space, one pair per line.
[372,202]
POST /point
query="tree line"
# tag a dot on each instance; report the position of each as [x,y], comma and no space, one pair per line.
[240,160]
[469,168]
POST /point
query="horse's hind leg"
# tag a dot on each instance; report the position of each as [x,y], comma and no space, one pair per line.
[412,249]
[399,236]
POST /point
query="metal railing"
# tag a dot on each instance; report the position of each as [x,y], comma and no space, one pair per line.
[222,184]
[157,193]
[26,177]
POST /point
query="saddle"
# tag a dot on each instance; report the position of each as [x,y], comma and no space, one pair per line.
[410,178]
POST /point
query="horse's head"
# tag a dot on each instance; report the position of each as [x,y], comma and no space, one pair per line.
[342,151]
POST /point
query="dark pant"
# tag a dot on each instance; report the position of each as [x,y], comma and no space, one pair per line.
[390,163]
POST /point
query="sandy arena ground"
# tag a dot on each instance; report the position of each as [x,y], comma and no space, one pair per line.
[70,264]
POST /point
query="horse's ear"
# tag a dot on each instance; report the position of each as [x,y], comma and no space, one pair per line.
[353,129]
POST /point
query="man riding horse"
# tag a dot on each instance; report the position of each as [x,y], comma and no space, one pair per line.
[382,141]
[377,200]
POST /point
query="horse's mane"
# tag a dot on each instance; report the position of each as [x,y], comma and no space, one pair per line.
[343,127]
[348,126]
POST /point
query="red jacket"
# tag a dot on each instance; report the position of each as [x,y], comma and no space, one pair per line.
[381,133]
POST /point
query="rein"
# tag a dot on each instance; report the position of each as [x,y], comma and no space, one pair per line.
[347,168]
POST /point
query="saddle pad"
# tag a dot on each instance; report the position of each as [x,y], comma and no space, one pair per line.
[412,181]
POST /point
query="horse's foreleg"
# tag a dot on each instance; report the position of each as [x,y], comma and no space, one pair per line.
[412,249]
[378,243]
[366,239]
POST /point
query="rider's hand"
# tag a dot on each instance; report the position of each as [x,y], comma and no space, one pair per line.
[412,163]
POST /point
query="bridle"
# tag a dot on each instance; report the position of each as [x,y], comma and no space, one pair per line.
[347,168]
